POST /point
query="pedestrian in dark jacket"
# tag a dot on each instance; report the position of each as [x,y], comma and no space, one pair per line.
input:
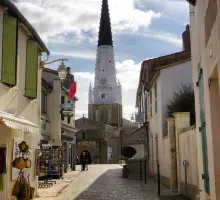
[83,160]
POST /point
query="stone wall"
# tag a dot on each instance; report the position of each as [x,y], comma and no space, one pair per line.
[106,113]
[179,146]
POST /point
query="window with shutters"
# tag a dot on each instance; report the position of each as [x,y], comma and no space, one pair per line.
[155,96]
[109,115]
[31,75]
[9,50]
[97,115]
[151,110]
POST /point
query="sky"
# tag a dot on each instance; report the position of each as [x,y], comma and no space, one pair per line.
[142,29]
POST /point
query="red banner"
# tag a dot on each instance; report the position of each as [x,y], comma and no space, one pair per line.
[72,91]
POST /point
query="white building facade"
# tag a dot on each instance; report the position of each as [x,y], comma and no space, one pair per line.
[20,92]
[159,79]
[205,31]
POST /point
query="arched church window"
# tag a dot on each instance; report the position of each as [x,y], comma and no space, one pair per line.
[103,96]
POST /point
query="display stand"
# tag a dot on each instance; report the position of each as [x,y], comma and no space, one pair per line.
[56,161]
[50,164]
[45,164]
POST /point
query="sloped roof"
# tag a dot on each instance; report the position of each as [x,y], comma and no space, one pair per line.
[152,66]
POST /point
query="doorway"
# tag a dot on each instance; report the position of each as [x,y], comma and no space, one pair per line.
[215,125]
[88,155]
[2,172]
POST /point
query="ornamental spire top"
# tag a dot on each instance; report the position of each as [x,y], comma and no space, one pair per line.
[105,32]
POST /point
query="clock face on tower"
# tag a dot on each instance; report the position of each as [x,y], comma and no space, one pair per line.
[103,81]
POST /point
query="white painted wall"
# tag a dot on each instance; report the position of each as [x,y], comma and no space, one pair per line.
[171,79]
[167,82]
[210,63]
[12,100]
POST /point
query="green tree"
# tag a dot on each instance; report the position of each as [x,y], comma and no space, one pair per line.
[128,152]
[183,101]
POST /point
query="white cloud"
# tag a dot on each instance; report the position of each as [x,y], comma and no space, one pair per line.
[89,55]
[166,37]
[55,18]
[128,74]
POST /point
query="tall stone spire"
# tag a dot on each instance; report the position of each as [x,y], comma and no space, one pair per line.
[90,95]
[106,89]
[105,32]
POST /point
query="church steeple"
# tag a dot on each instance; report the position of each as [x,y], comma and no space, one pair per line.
[105,32]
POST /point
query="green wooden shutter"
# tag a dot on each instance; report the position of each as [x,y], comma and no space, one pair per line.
[9,53]
[31,69]
[205,175]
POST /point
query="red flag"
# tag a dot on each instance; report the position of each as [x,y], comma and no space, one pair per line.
[72,91]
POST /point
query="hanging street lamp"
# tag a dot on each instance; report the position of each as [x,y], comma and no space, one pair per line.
[62,71]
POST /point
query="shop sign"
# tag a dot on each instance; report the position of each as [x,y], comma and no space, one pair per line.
[67,106]
[67,113]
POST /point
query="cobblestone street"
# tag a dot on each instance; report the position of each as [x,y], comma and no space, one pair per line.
[104,182]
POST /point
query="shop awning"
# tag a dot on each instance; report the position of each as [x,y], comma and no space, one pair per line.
[18,123]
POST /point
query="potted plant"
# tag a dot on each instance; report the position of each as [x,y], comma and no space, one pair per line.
[127,152]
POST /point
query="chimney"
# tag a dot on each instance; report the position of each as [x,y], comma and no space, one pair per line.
[186,39]
[68,70]
[69,79]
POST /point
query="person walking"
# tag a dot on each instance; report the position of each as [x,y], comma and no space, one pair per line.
[83,160]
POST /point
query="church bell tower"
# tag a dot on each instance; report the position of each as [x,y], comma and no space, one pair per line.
[105,98]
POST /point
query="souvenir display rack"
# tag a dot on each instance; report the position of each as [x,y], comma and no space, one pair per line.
[49,164]
[56,167]
[45,165]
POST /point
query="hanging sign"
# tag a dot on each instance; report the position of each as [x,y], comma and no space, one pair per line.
[67,113]
[67,106]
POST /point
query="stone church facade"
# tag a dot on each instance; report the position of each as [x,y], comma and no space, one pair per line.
[100,134]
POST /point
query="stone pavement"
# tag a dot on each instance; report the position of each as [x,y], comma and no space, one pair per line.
[105,182]
[57,188]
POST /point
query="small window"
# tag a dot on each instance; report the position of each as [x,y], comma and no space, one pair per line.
[155,95]
[103,96]
[62,99]
[62,117]
[68,119]
[150,96]
[43,102]
[97,115]
[109,60]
